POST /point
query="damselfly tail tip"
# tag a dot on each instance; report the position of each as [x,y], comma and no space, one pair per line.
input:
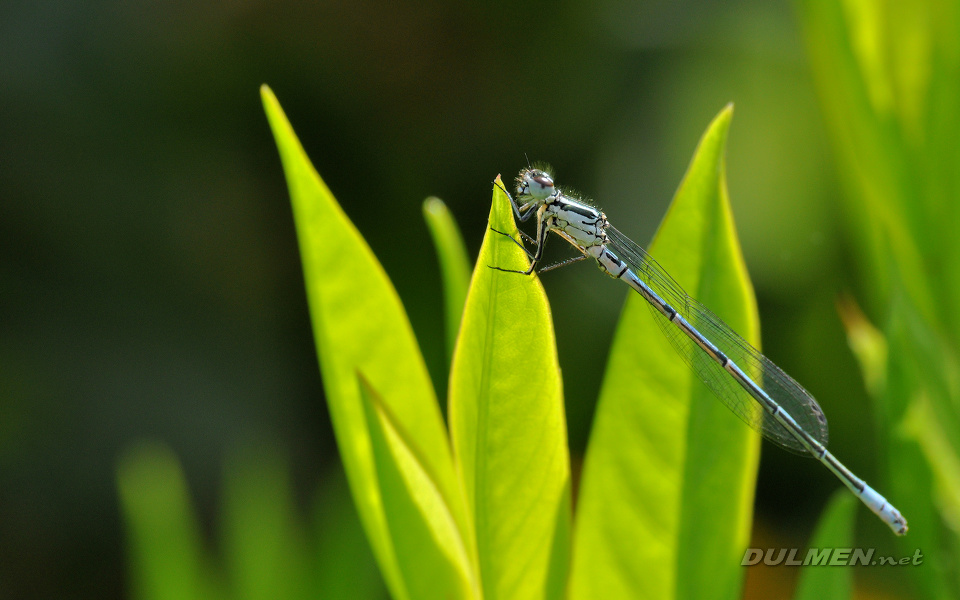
[899,524]
[883,509]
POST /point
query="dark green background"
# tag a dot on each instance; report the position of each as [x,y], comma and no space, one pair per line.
[149,275]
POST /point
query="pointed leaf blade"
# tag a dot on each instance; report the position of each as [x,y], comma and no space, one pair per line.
[454,265]
[834,531]
[165,547]
[507,423]
[432,557]
[667,490]
[359,325]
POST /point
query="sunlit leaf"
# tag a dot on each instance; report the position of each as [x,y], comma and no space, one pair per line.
[360,326]
[433,558]
[165,548]
[834,531]
[888,74]
[923,425]
[265,549]
[345,567]
[454,265]
[507,423]
[867,343]
[914,376]
[850,45]
[667,493]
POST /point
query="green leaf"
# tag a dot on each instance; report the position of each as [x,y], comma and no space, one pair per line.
[360,326]
[667,491]
[917,429]
[918,422]
[265,550]
[924,426]
[850,46]
[867,343]
[345,566]
[163,536]
[432,557]
[507,423]
[887,73]
[454,265]
[835,530]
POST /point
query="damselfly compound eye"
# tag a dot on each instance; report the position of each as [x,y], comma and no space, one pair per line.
[539,184]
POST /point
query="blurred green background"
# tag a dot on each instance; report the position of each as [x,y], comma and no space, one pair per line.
[151,286]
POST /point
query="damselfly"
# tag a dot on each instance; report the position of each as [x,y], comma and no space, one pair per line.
[746,381]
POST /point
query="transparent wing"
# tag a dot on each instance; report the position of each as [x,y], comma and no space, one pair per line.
[782,388]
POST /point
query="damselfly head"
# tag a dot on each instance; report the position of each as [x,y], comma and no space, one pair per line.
[535,183]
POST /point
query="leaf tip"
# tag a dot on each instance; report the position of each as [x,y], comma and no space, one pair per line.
[723,118]
[267,95]
[501,213]
[433,206]
[275,115]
